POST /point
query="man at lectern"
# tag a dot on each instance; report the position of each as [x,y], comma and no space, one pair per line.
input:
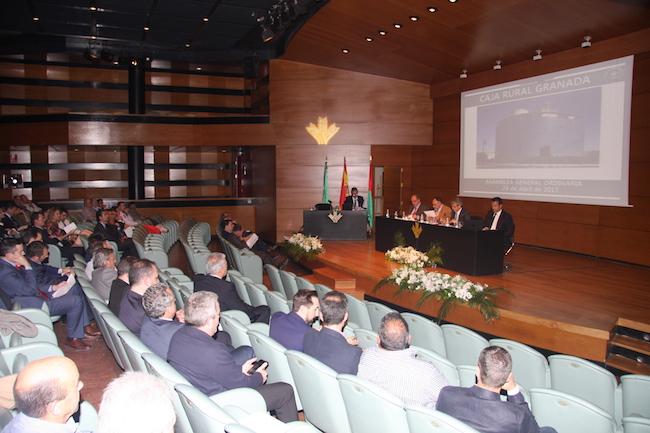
[354,201]
[499,219]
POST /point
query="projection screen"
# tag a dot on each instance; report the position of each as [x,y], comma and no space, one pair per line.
[561,137]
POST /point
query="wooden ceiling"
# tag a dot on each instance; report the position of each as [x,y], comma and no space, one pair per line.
[469,34]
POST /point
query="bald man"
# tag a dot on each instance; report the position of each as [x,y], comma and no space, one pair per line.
[46,394]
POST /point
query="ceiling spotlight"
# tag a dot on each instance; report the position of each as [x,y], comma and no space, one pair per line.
[35,18]
[147,58]
[116,62]
[93,8]
[414,18]
[538,56]
[267,33]
[397,25]
[382,32]
[452,1]
[146,28]
[187,45]
[431,9]
[369,39]
[497,65]
[198,68]
[206,19]
[586,42]
[463,74]
[93,37]
[134,62]
[345,51]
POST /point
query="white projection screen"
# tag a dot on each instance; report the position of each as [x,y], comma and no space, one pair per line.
[562,137]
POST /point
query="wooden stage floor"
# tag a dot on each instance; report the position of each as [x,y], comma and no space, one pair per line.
[560,301]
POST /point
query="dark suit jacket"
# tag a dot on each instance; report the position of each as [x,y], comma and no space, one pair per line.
[465,218]
[289,330]
[234,240]
[46,275]
[333,350]
[21,285]
[228,297]
[347,204]
[484,410]
[505,223]
[118,290]
[132,312]
[419,212]
[9,222]
[156,334]
[207,363]
[110,231]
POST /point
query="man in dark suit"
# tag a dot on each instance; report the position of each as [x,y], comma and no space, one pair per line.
[159,326]
[459,215]
[481,407]
[329,345]
[213,281]
[499,219]
[417,208]
[290,329]
[354,201]
[210,365]
[120,285]
[232,232]
[18,280]
[8,218]
[113,232]
[142,275]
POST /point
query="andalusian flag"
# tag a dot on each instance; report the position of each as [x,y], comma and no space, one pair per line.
[326,193]
[344,185]
[371,187]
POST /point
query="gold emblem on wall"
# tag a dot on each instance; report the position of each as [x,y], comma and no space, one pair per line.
[416,229]
[323,132]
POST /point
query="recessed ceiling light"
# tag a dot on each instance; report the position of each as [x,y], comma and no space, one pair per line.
[198,68]
[93,8]
[187,45]
[147,58]
[414,18]
[345,51]
[453,1]
[397,25]
[35,18]
[369,39]
[497,65]
[93,37]
[116,62]
[206,19]
[146,28]
[463,74]
[431,9]
[382,32]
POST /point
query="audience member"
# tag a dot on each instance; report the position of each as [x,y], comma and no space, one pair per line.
[136,402]
[9,221]
[159,326]
[480,406]
[31,235]
[120,285]
[329,345]
[214,281]
[88,212]
[289,329]
[228,234]
[104,271]
[393,366]
[142,275]
[46,393]
[107,226]
[28,204]
[20,284]
[211,366]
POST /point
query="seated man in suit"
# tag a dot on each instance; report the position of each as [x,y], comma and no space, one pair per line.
[120,285]
[107,226]
[481,407]
[441,213]
[393,366]
[499,219]
[104,271]
[142,275]
[459,217]
[159,326]
[289,329]
[354,201]
[47,395]
[232,232]
[213,281]
[329,345]
[9,221]
[18,279]
[417,208]
[210,366]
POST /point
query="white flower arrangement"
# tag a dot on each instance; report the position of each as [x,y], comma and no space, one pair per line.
[299,246]
[446,289]
[408,256]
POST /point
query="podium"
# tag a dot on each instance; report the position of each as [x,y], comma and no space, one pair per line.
[350,227]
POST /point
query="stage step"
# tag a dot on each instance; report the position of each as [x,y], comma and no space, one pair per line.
[337,280]
[629,347]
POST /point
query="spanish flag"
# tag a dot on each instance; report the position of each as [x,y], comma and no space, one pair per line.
[345,191]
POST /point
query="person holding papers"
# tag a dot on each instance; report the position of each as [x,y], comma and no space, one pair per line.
[417,208]
[354,201]
[499,219]
[439,213]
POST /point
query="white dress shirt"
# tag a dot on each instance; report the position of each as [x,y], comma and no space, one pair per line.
[495,221]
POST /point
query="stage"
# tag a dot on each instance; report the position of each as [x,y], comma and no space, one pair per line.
[561,302]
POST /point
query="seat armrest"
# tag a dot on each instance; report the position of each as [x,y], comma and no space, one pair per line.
[240,402]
